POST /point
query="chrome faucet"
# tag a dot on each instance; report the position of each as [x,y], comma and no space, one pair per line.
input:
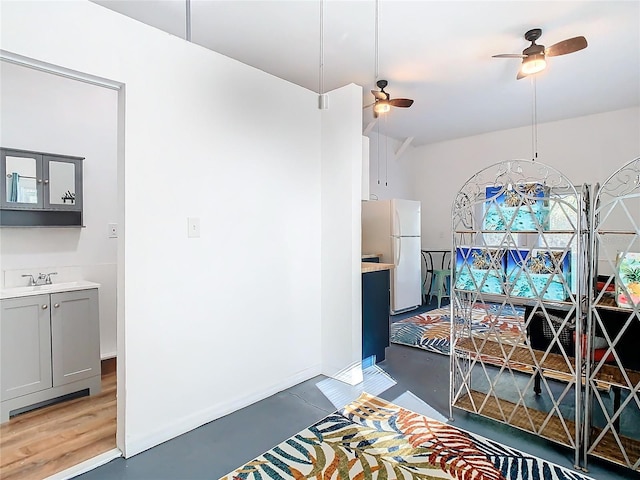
[43,279]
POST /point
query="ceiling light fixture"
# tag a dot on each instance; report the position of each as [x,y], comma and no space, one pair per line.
[188,20]
[323,99]
[534,63]
[375,42]
[381,106]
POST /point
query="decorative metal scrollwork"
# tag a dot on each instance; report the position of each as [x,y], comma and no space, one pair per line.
[625,181]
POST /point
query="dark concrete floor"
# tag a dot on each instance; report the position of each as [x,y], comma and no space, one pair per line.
[217,448]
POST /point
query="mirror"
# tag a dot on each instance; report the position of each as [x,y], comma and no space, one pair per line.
[21,180]
[62,183]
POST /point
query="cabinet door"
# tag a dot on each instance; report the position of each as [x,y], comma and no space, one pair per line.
[62,179]
[375,314]
[22,185]
[75,336]
[25,346]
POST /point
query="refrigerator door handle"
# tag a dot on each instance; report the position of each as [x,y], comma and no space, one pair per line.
[396,261]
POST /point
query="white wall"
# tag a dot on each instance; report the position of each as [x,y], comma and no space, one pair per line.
[214,323]
[341,230]
[52,114]
[586,149]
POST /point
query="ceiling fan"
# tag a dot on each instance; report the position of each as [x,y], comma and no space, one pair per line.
[534,56]
[384,102]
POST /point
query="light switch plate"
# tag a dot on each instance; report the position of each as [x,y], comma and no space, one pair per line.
[112,230]
[193,226]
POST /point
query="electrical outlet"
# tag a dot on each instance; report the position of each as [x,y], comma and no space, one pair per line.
[193,225]
[112,230]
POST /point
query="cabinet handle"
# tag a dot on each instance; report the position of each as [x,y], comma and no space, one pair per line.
[56,305]
[46,182]
[44,307]
[39,180]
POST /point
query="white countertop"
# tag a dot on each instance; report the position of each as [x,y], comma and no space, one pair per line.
[15,292]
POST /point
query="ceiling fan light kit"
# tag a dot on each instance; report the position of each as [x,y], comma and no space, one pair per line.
[381,106]
[534,56]
[384,102]
[533,64]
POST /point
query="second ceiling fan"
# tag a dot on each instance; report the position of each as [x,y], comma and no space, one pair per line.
[384,102]
[534,56]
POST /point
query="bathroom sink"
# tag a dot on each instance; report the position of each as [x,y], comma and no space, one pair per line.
[14,292]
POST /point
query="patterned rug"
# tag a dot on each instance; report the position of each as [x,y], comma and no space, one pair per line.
[431,330]
[371,438]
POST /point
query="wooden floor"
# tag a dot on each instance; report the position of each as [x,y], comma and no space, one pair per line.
[39,443]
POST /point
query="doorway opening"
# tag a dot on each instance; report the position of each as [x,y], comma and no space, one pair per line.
[51,109]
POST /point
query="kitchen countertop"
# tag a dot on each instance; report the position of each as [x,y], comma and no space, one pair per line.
[15,292]
[375,267]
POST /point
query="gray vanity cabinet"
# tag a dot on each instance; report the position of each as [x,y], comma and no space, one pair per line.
[50,346]
[75,336]
[25,355]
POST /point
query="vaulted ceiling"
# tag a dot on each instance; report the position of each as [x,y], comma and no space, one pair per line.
[438,53]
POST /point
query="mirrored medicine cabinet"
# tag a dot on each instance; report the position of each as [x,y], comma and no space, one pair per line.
[40,189]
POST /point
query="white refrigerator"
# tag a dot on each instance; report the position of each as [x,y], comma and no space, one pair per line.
[392,228]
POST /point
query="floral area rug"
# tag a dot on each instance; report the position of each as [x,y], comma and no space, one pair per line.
[431,330]
[371,438]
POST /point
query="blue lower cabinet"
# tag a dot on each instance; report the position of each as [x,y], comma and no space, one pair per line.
[375,314]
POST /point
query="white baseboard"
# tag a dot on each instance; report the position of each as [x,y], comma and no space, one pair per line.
[86,466]
[139,443]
